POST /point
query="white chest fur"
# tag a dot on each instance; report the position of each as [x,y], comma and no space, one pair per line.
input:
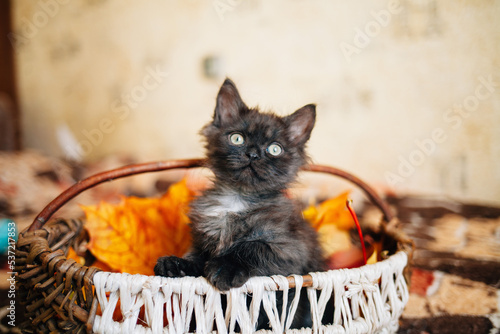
[218,225]
[228,204]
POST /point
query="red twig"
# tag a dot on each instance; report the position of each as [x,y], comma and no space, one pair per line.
[353,214]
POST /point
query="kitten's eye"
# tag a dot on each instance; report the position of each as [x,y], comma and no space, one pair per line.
[275,149]
[236,138]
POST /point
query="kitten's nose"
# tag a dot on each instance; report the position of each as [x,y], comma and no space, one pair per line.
[253,155]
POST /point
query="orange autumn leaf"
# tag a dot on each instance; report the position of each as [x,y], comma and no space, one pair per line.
[332,221]
[330,212]
[333,239]
[72,255]
[102,265]
[132,235]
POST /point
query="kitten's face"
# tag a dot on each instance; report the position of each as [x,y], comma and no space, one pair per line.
[255,152]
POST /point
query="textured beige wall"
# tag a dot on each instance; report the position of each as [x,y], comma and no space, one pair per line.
[407,91]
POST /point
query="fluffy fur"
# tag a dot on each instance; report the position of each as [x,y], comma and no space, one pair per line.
[245,225]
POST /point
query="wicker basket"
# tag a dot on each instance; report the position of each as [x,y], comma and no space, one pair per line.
[61,295]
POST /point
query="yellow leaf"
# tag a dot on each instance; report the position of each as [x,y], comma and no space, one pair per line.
[72,255]
[333,239]
[330,212]
[372,259]
[132,235]
[377,248]
[332,220]
[310,214]
[334,211]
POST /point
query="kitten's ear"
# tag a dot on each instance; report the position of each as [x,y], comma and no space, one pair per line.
[301,123]
[229,104]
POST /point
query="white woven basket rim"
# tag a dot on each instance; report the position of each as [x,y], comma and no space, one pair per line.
[368,299]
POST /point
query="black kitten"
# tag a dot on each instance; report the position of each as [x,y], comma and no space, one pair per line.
[245,225]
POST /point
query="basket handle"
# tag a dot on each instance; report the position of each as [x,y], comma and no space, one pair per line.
[124,171]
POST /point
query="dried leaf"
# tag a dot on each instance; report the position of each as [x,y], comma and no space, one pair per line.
[332,221]
[130,236]
[72,255]
[330,212]
[333,239]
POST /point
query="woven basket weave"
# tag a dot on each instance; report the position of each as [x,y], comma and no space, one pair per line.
[61,295]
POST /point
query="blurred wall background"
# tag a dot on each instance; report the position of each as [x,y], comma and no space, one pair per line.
[407,92]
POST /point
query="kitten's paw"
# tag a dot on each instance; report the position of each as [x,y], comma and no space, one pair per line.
[225,274]
[173,266]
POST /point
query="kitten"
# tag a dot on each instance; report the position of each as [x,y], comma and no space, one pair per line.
[245,225]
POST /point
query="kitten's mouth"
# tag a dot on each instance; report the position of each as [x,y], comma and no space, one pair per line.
[252,170]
